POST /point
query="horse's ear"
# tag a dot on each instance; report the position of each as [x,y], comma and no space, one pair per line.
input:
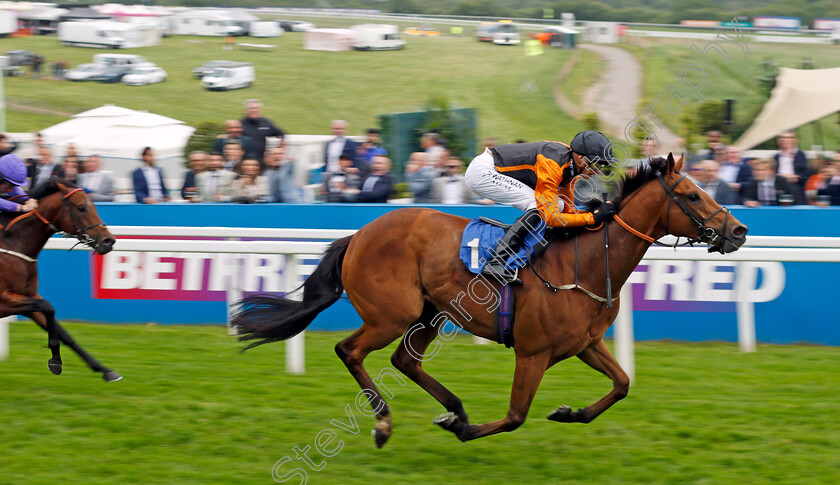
[679,165]
[670,163]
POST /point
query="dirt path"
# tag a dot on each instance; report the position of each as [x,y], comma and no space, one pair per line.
[615,97]
[17,106]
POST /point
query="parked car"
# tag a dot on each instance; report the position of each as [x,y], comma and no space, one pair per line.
[20,57]
[143,75]
[506,33]
[202,70]
[295,25]
[112,74]
[85,72]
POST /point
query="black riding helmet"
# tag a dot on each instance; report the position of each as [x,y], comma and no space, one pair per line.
[595,146]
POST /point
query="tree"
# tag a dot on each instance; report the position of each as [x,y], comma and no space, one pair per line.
[203,137]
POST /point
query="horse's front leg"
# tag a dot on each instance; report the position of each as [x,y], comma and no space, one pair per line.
[65,338]
[42,312]
[526,379]
[601,359]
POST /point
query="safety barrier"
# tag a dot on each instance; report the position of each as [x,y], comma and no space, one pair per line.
[298,244]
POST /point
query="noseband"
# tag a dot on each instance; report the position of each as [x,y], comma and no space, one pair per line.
[704,233]
[81,232]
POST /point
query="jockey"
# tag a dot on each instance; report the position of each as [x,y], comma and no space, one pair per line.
[538,178]
[12,178]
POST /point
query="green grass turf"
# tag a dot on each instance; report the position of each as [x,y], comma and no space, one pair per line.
[662,60]
[304,90]
[191,409]
[585,73]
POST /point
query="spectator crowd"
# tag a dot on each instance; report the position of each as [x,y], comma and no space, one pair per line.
[248,163]
[786,178]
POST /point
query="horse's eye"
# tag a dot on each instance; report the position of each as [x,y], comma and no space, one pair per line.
[694,197]
[81,208]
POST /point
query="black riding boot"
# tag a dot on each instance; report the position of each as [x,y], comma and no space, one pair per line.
[509,244]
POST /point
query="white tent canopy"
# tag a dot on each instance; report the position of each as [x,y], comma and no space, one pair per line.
[800,96]
[118,135]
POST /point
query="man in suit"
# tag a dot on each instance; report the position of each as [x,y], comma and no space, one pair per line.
[451,187]
[734,170]
[98,184]
[198,161]
[233,132]
[281,177]
[766,187]
[420,175]
[376,187]
[42,167]
[342,186]
[712,185]
[338,146]
[149,187]
[214,184]
[233,154]
[830,186]
[792,164]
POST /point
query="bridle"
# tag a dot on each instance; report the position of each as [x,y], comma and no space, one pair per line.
[80,233]
[704,233]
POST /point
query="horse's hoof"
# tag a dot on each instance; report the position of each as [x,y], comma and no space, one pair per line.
[55,366]
[111,376]
[446,421]
[380,436]
[563,414]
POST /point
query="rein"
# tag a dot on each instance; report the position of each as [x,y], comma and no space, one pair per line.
[703,232]
[711,235]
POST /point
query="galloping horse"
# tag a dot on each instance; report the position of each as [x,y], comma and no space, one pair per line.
[403,269]
[62,207]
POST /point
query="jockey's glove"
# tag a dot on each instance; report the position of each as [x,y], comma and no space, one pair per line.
[603,212]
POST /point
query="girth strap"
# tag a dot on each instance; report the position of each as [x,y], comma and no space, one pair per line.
[505,316]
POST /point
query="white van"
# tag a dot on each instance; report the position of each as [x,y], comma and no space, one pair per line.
[232,76]
[119,59]
[8,22]
[377,37]
[506,33]
[265,29]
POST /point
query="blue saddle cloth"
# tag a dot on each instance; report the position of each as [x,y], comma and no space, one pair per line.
[480,240]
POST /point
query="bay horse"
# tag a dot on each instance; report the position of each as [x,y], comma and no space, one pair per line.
[402,272]
[62,207]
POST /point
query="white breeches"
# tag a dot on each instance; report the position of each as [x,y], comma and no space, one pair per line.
[483,179]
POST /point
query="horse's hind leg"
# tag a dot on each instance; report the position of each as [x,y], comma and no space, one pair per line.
[526,380]
[16,304]
[601,359]
[408,358]
[352,351]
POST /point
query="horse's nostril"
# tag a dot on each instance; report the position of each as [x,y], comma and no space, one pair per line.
[739,231]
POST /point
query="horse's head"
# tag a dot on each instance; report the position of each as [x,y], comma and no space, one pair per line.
[77,217]
[689,211]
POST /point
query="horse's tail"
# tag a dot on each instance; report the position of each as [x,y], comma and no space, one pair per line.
[268,318]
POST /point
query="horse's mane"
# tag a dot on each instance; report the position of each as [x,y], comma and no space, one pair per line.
[627,185]
[49,187]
